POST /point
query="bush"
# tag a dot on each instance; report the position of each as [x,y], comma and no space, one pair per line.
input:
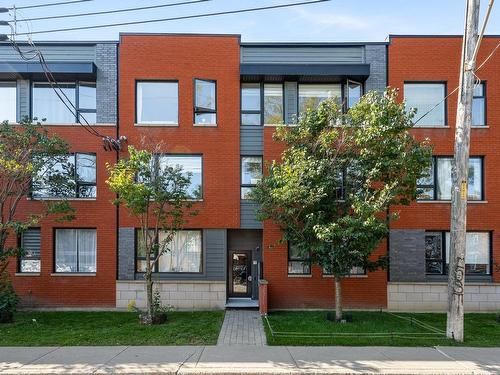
[8,298]
[159,310]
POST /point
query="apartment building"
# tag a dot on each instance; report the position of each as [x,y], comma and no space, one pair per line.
[211,104]
[70,264]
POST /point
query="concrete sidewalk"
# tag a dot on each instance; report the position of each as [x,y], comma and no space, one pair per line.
[241,359]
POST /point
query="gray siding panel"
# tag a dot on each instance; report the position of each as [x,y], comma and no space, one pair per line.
[106,90]
[376,56]
[248,218]
[302,55]
[251,140]
[126,253]
[23,99]
[51,53]
[407,255]
[291,94]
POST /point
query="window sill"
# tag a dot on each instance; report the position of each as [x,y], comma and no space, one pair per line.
[347,277]
[299,275]
[74,274]
[205,125]
[61,199]
[431,127]
[157,125]
[24,274]
[480,127]
[449,202]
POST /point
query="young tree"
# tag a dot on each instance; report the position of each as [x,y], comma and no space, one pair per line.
[157,195]
[27,157]
[339,174]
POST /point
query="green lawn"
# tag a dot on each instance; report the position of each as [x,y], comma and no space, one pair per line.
[480,329]
[109,328]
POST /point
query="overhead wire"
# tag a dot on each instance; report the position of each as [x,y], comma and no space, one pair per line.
[115,10]
[49,4]
[200,15]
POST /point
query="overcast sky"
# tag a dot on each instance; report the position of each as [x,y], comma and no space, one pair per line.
[336,20]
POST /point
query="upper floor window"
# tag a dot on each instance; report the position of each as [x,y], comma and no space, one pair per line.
[428,98]
[437,184]
[191,166]
[250,104]
[75,177]
[157,103]
[273,103]
[299,263]
[30,243]
[60,109]
[251,174]
[205,106]
[184,255]
[479,105]
[8,101]
[354,93]
[477,253]
[311,95]
[76,250]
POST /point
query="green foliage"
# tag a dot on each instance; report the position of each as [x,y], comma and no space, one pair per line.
[339,174]
[8,298]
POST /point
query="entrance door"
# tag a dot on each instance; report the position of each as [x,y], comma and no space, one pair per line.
[240,274]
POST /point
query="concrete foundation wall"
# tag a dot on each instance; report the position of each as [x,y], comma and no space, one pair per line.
[478,297]
[182,295]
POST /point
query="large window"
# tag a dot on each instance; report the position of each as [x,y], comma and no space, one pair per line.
[205,106]
[311,95]
[80,95]
[250,104]
[157,103]
[477,253]
[273,103]
[437,184]
[8,101]
[30,243]
[184,253]
[479,105]
[354,93]
[74,177]
[251,174]
[191,167]
[299,263]
[428,98]
[76,250]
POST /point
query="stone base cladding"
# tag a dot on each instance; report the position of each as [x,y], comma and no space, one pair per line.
[182,295]
[478,297]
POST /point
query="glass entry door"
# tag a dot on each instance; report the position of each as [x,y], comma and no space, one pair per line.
[240,274]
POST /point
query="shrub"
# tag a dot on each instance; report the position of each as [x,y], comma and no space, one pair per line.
[8,298]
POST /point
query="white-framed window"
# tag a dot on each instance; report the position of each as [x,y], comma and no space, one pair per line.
[192,167]
[157,102]
[8,101]
[428,99]
[76,250]
[60,109]
[184,255]
[205,102]
[251,174]
[477,253]
[311,95]
[30,243]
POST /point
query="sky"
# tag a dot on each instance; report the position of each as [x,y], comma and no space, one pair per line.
[335,20]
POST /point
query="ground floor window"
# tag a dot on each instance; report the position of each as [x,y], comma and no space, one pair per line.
[477,253]
[30,243]
[76,250]
[298,262]
[184,254]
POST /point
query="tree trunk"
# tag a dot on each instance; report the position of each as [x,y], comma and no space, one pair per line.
[338,298]
[149,298]
[456,269]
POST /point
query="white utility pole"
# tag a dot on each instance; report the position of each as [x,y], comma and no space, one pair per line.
[460,172]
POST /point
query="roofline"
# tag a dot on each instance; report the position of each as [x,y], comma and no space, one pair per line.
[436,36]
[64,42]
[178,34]
[308,44]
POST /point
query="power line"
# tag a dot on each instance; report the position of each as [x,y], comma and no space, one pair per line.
[115,11]
[201,15]
[49,4]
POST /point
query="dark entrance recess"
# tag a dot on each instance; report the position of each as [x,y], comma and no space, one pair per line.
[240,273]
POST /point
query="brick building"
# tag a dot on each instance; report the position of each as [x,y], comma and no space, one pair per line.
[213,103]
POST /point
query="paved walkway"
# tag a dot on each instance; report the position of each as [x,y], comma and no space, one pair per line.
[246,359]
[242,327]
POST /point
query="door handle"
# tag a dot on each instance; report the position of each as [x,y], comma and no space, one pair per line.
[249,278]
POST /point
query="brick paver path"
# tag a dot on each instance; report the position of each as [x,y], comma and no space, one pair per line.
[242,327]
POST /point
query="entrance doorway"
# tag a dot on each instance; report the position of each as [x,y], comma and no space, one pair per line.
[240,273]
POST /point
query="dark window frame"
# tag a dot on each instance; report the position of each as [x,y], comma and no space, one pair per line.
[202,110]
[259,112]
[242,185]
[137,81]
[444,263]
[435,179]
[484,97]
[79,111]
[21,258]
[54,253]
[445,102]
[342,84]
[262,94]
[305,261]
[78,183]
[156,265]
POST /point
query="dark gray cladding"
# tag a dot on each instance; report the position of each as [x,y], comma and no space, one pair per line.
[407,255]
